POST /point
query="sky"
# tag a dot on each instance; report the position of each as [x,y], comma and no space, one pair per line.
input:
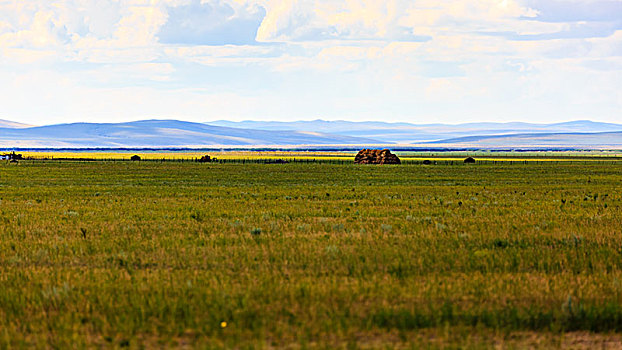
[417,61]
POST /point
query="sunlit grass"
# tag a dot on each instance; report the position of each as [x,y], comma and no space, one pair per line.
[156,254]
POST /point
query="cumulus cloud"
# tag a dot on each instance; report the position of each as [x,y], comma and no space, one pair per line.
[212,23]
[301,20]
[36,23]
[82,29]
[392,20]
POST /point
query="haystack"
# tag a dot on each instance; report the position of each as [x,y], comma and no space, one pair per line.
[376,156]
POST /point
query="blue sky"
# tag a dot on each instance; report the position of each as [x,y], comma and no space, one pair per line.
[418,61]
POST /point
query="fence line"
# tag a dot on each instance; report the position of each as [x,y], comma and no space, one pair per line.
[321,160]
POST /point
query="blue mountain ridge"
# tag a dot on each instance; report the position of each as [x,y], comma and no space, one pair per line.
[405,133]
[174,133]
[161,133]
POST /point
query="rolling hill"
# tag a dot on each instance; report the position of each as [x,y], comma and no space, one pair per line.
[598,140]
[160,133]
[181,134]
[13,125]
[406,133]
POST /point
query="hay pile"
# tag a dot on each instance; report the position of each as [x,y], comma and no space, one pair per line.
[376,156]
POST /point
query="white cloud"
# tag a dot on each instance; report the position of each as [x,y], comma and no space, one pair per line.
[294,20]
[139,25]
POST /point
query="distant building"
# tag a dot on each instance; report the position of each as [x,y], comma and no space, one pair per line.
[11,156]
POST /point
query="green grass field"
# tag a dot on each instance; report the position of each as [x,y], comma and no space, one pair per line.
[150,254]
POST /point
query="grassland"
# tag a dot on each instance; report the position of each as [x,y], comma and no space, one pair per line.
[160,254]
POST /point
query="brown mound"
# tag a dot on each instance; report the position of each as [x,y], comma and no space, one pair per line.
[376,156]
[469,160]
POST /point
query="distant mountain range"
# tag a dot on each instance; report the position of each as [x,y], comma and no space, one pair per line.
[406,133]
[221,133]
[160,133]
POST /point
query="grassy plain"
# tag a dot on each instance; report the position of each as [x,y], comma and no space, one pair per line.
[160,254]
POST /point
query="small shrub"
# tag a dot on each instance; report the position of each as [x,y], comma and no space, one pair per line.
[501,243]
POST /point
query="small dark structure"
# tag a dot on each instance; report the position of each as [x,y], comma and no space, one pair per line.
[427,162]
[205,159]
[12,156]
[376,156]
[135,157]
[469,160]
